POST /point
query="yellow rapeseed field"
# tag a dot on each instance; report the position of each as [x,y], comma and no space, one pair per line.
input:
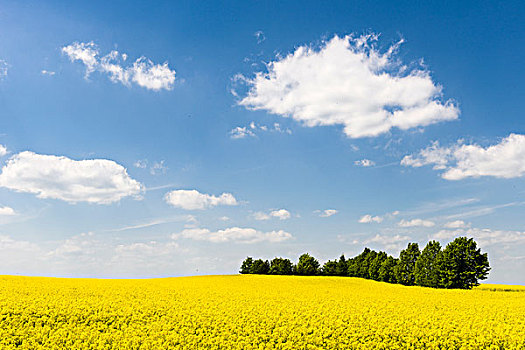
[255,312]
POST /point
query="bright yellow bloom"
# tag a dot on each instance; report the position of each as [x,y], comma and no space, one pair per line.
[255,312]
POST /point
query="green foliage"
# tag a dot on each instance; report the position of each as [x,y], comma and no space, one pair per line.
[307,265]
[386,271]
[463,264]
[404,270]
[281,266]
[460,265]
[246,265]
[260,267]
[330,268]
[427,271]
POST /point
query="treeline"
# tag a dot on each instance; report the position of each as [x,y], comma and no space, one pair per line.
[459,265]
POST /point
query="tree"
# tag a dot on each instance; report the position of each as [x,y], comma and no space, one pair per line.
[404,270]
[386,271]
[342,266]
[281,266]
[357,267]
[246,265]
[463,264]
[330,268]
[427,271]
[375,265]
[307,265]
[260,267]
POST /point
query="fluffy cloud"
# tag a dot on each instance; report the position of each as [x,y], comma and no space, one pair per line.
[366,219]
[47,72]
[7,211]
[386,240]
[193,199]
[415,223]
[364,163]
[241,133]
[142,72]
[281,214]
[505,159]
[3,150]
[233,234]
[327,212]
[456,224]
[349,82]
[98,181]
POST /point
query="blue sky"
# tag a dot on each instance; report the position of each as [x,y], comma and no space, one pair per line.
[147,140]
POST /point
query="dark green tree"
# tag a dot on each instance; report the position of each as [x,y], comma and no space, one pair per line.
[404,270]
[281,266]
[375,265]
[386,271]
[427,271]
[330,268]
[246,265]
[463,264]
[307,265]
[260,267]
[358,266]
[342,266]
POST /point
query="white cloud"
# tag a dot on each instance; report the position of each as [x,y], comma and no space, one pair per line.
[364,163]
[233,234]
[142,164]
[194,200]
[484,236]
[366,219]
[98,181]
[241,133]
[142,72]
[415,223]
[47,72]
[7,211]
[505,159]
[4,67]
[259,35]
[387,240]
[158,168]
[261,216]
[281,214]
[456,224]
[3,150]
[349,82]
[251,130]
[327,212]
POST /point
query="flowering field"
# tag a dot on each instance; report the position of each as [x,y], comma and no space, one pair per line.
[255,312]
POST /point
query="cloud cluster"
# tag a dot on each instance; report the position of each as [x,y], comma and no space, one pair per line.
[281,214]
[415,223]
[3,150]
[367,219]
[4,67]
[142,72]
[484,236]
[349,82]
[194,200]
[233,234]
[326,213]
[365,163]
[505,159]
[252,130]
[7,211]
[99,181]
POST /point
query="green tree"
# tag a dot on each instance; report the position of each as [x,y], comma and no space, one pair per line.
[342,266]
[281,266]
[386,271]
[463,264]
[375,265]
[358,266]
[307,265]
[260,267]
[427,271]
[404,270]
[330,268]
[246,265]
